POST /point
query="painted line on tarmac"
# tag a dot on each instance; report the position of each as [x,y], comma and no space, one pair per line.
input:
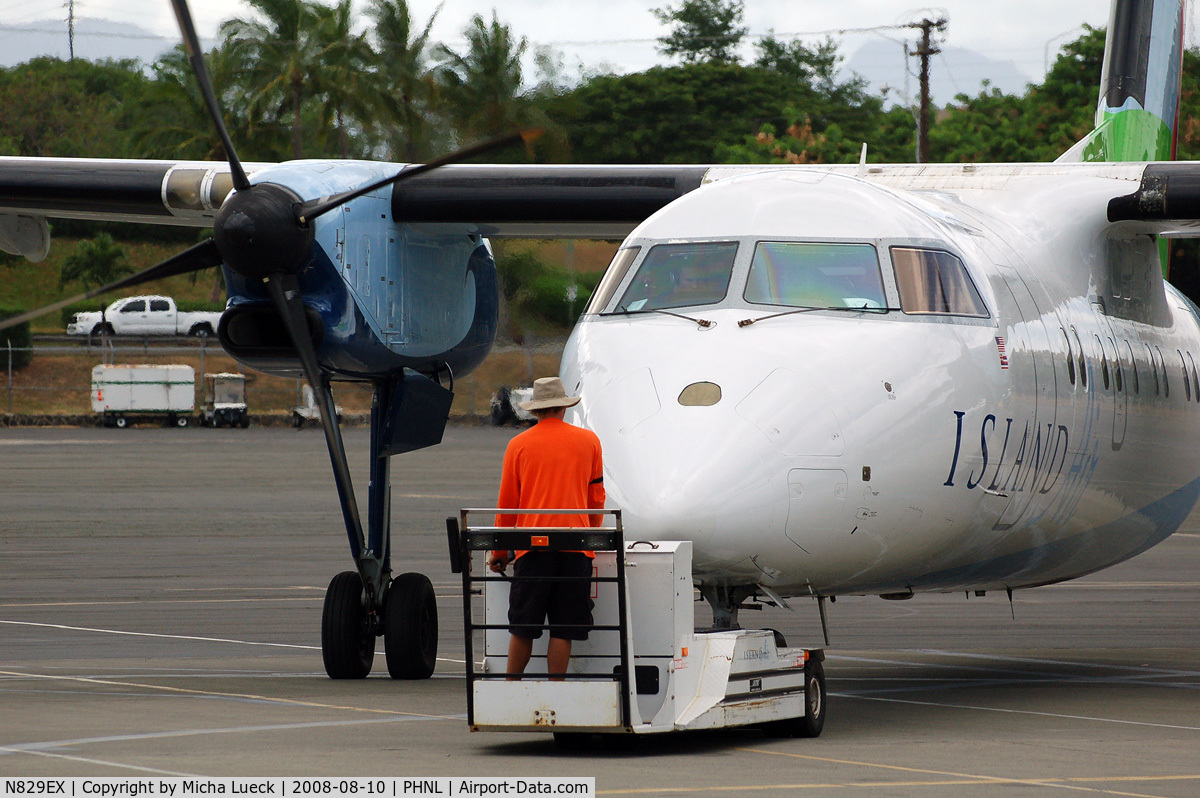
[238,696]
[43,604]
[958,779]
[1144,669]
[158,635]
[1148,672]
[65,442]
[1062,715]
[182,637]
[1139,585]
[45,746]
[88,761]
[20,606]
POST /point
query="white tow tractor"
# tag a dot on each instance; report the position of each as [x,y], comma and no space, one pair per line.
[683,678]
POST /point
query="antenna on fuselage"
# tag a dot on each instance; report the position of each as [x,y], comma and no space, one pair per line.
[862,161]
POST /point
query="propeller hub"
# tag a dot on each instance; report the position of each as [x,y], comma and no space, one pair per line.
[257,233]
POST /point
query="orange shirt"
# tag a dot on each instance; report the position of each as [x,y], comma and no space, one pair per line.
[552,465]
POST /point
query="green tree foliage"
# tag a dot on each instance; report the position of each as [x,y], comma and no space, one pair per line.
[59,108]
[829,121]
[672,114]
[95,262]
[482,86]
[539,296]
[19,338]
[341,84]
[279,58]
[407,92]
[703,30]
[170,119]
[1037,126]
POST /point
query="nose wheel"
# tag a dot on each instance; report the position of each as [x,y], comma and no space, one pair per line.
[409,628]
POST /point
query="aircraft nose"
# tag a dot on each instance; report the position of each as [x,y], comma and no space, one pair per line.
[676,477]
[686,459]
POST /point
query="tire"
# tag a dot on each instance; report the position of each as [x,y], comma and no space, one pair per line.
[571,742]
[120,422]
[347,644]
[200,331]
[101,329]
[813,721]
[410,627]
[297,420]
[181,422]
[502,412]
[245,421]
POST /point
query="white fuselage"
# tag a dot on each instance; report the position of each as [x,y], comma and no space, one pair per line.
[882,451]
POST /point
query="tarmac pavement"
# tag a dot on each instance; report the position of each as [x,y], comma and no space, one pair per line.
[161,615]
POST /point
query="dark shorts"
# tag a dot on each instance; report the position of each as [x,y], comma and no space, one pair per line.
[531,601]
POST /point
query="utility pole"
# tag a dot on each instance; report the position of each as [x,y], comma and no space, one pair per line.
[71,28]
[926,49]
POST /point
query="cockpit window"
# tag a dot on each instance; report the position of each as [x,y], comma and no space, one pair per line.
[796,274]
[679,275]
[935,282]
[612,278]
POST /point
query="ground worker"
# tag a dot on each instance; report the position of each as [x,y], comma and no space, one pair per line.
[553,465]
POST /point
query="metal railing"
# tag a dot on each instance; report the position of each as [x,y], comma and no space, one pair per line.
[464,540]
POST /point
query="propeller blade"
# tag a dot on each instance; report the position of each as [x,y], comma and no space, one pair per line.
[285,293]
[191,43]
[201,256]
[314,208]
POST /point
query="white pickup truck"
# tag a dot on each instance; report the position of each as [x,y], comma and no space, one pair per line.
[145,315]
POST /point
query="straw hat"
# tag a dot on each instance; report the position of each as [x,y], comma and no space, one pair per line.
[549,392]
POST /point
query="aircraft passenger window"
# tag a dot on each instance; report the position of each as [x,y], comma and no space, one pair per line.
[932,281]
[1117,369]
[1070,356]
[1133,366]
[135,307]
[678,275]
[1187,386]
[1103,361]
[809,275]
[1082,363]
[1162,366]
[613,276]
[1154,366]
[159,304]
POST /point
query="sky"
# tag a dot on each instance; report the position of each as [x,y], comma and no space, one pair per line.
[620,35]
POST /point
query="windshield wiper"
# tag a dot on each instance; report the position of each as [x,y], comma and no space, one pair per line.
[703,324]
[863,309]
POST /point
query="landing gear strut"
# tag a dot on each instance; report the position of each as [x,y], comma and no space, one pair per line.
[368,603]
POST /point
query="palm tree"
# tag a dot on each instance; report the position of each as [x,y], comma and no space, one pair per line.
[407,91]
[171,120]
[279,58]
[483,85]
[342,82]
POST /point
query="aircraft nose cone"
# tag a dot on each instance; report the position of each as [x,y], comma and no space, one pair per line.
[678,477]
[677,480]
[692,459]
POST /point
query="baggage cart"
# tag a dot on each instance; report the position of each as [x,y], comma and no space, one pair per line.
[124,394]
